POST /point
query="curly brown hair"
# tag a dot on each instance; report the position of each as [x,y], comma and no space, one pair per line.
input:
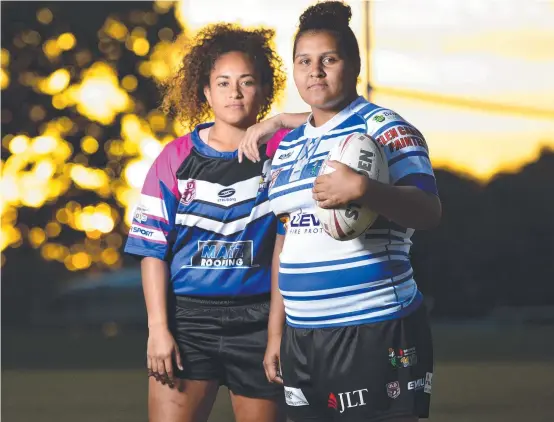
[183,93]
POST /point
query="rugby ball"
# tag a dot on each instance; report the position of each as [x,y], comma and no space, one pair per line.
[363,154]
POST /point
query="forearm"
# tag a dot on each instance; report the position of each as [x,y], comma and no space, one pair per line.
[277,307]
[155,276]
[407,206]
[292,120]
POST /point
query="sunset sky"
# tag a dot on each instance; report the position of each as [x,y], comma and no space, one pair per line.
[474,76]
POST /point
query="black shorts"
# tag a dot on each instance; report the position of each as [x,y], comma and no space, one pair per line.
[370,372]
[224,340]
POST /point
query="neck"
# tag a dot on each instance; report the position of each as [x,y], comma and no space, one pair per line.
[226,136]
[323,115]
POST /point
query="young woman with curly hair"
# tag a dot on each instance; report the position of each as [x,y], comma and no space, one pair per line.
[204,229]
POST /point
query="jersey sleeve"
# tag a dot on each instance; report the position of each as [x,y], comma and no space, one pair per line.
[274,142]
[154,216]
[406,151]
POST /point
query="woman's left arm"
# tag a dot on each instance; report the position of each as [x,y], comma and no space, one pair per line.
[407,206]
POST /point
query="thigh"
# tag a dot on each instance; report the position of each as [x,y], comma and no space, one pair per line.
[303,401]
[242,352]
[197,332]
[248,409]
[188,401]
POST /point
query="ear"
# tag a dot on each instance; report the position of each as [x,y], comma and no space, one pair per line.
[208,94]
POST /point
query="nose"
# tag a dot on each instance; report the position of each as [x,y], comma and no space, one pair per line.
[316,70]
[236,92]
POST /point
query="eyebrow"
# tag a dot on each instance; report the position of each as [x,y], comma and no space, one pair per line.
[246,75]
[322,54]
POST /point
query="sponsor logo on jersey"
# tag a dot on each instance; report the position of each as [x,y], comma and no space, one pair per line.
[286,155]
[221,254]
[140,214]
[295,397]
[144,232]
[379,118]
[403,358]
[347,400]
[189,193]
[428,382]
[304,223]
[226,195]
[403,136]
[416,384]
[393,389]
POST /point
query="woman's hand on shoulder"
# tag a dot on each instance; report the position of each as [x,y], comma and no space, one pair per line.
[257,136]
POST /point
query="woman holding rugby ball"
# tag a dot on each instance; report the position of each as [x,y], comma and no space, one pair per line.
[347,323]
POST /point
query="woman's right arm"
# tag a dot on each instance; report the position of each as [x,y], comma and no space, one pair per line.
[276,318]
[161,348]
[149,237]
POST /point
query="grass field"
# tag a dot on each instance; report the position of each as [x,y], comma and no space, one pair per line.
[483,374]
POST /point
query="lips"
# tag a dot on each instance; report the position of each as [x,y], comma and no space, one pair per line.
[235,106]
[317,86]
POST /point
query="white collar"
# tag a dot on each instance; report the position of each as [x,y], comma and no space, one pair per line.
[313,132]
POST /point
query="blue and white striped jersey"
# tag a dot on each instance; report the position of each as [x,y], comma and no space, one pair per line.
[325,282]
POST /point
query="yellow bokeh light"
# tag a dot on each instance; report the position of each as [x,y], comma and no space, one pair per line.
[141,46]
[99,96]
[165,34]
[89,145]
[19,144]
[89,178]
[36,237]
[81,260]
[66,41]
[110,256]
[9,236]
[44,144]
[55,83]
[129,83]
[37,113]
[4,57]
[53,229]
[51,49]
[44,169]
[44,16]
[4,79]
[62,215]
[115,29]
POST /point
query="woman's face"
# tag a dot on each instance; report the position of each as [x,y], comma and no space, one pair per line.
[235,93]
[322,76]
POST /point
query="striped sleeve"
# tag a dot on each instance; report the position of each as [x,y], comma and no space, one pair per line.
[406,151]
[154,216]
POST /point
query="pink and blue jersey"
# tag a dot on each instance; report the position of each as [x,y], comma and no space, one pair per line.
[209,217]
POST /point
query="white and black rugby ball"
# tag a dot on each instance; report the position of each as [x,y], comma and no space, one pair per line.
[363,154]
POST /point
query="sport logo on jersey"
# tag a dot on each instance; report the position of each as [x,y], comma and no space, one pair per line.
[189,193]
[220,254]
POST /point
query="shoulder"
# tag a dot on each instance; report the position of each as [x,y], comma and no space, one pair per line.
[273,143]
[380,121]
[177,150]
